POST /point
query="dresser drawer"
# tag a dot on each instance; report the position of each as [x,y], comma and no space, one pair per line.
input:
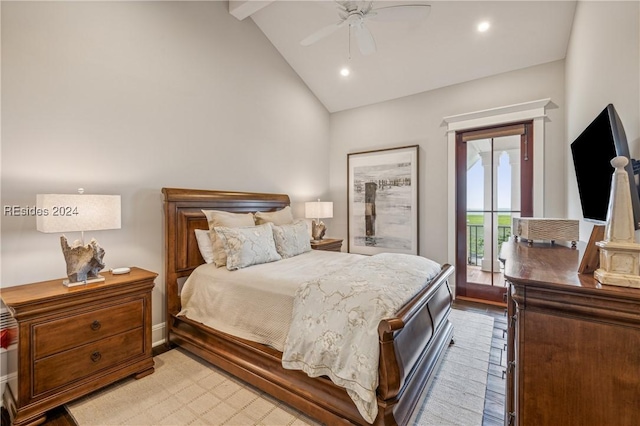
[65,367]
[56,336]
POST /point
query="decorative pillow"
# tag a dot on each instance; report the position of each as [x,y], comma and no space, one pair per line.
[230,220]
[280,217]
[248,246]
[292,240]
[205,245]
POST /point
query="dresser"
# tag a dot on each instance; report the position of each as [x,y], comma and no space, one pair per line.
[74,340]
[573,345]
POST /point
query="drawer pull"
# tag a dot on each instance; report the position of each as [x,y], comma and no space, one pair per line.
[95,325]
[95,357]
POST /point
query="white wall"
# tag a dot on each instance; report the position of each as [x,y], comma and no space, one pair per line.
[129,97]
[418,119]
[602,67]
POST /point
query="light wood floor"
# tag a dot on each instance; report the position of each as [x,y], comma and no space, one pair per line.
[494,397]
[477,276]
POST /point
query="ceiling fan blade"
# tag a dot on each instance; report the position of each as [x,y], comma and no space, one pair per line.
[365,40]
[409,12]
[322,33]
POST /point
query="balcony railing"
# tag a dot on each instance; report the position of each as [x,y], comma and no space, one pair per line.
[475,241]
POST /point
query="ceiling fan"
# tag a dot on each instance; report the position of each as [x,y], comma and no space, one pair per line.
[356,13]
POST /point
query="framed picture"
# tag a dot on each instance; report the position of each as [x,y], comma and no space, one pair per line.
[382,201]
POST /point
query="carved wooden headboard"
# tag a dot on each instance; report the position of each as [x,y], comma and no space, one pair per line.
[183,215]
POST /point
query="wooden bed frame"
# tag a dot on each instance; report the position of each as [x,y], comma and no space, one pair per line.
[411,344]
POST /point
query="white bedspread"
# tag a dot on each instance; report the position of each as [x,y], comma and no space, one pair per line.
[255,303]
[334,329]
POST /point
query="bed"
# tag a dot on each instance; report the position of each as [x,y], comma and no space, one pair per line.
[411,343]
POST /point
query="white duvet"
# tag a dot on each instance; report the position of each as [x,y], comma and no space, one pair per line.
[255,303]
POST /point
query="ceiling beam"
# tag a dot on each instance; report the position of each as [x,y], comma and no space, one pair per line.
[243,8]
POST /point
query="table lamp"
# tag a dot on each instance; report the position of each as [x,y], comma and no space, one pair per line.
[317,210]
[79,212]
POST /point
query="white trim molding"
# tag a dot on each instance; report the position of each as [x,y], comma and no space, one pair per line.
[535,111]
[158,335]
[4,380]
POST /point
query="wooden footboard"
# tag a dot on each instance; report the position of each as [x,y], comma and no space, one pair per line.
[411,344]
[411,347]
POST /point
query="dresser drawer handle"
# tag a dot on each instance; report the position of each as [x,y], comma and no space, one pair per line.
[95,325]
[95,357]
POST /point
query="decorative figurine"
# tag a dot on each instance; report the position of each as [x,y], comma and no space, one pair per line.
[619,253]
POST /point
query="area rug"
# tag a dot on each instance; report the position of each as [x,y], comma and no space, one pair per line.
[185,390]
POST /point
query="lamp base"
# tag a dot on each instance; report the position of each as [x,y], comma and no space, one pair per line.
[97,279]
[317,230]
[84,262]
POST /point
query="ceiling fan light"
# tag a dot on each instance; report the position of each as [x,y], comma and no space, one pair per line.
[354,14]
[483,26]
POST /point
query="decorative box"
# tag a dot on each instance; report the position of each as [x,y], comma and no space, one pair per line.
[536,228]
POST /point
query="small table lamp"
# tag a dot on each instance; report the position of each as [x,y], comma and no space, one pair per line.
[79,212]
[316,210]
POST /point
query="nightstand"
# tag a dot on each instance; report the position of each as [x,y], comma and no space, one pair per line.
[74,340]
[329,244]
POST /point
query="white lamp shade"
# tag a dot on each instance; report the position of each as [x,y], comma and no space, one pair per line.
[318,209]
[77,212]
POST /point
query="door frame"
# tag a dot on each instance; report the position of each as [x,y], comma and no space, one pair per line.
[493,292]
[534,111]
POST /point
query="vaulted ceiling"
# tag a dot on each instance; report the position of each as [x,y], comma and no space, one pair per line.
[411,56]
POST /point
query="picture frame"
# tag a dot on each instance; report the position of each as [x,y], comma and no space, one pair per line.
[382,201]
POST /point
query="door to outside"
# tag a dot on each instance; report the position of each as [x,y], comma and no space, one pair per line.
[494,183]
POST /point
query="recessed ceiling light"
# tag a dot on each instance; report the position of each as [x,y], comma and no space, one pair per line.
[483,26]
[345,72]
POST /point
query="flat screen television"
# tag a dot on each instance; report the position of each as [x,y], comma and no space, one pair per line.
[592,152]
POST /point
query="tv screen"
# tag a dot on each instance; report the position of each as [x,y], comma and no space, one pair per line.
[592,152]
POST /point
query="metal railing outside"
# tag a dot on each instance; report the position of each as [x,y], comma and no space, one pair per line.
[475,241]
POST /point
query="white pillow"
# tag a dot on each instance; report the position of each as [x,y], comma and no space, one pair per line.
[293,239]
[228,219]
[248,246]
[205,245]
[281,217]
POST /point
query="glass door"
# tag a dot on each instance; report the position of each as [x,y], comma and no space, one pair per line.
[492,190]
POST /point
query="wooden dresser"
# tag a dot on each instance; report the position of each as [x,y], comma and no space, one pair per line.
[573,344]
[73,340]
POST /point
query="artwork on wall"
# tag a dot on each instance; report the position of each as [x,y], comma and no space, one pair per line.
[382,201]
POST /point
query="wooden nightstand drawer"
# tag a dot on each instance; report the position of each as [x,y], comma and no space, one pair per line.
[67,333]
[329,244]
[74,364]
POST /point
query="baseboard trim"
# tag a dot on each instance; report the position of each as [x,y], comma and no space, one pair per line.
[4,379]
[158,335]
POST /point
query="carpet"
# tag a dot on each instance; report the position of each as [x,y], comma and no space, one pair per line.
[185,390]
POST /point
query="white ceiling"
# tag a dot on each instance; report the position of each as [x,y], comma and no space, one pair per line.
[413,57]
